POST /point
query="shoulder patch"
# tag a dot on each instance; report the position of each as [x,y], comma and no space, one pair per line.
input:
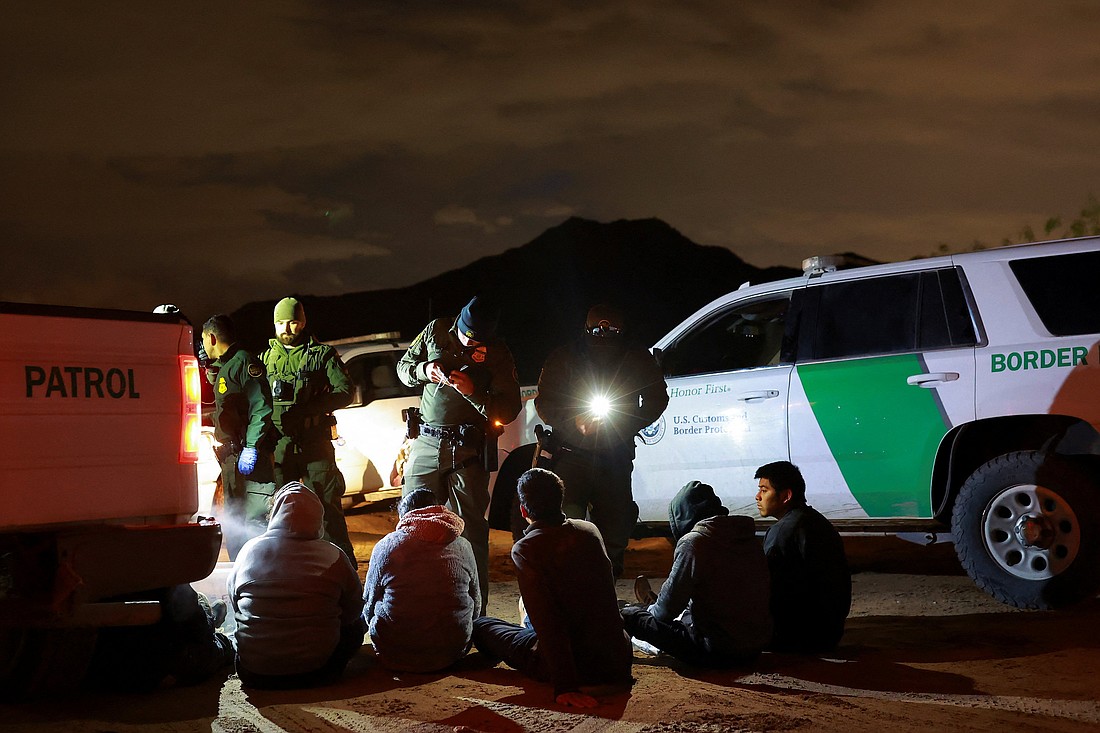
[255,370]
[222,388]
[478,354]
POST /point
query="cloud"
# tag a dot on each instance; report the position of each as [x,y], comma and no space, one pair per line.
[461,216]
[232,152]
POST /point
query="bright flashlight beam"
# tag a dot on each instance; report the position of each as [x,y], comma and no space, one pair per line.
[599,406]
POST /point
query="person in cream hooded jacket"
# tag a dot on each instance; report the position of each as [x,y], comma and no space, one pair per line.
[296,599]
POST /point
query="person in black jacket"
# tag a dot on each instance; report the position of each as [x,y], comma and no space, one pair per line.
[719,583]
[597,394]
[573,636]
[811,583]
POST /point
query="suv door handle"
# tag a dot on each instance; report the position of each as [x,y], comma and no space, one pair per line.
[757,396]
[932,379]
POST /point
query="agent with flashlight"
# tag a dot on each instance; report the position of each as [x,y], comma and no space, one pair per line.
[596,394]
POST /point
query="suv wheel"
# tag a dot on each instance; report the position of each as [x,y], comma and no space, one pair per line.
[1026,530]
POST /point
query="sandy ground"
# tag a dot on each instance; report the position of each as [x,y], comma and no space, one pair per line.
[924,649]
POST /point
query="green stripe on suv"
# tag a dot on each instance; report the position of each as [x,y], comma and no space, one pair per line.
[882,432]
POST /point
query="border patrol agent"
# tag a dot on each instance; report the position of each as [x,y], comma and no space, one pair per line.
[471,392]
[596,395]
[244,430]
[308,382]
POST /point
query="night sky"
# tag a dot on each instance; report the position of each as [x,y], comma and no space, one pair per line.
[213,153]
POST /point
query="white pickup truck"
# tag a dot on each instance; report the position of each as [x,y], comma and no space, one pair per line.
[100,414]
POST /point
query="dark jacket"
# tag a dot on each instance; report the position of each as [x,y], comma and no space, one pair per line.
[242,400]
[628,376]
[811,583]
[568,590]
[490,366]
[719,575]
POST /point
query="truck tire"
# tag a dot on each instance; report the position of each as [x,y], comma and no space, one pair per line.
[1026,527]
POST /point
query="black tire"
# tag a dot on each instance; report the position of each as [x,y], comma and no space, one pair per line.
[1026,527]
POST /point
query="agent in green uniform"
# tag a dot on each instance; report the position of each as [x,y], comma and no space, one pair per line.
[244,429]
[470,389]
[308,382]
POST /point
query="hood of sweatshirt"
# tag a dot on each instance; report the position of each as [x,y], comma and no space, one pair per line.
[729,530]
[436,524]
[692,504]
[297,513]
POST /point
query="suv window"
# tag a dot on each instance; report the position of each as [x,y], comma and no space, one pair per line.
[742,337]
[374,377]
[914,311]
[1063,291]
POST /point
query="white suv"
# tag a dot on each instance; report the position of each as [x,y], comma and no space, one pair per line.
[957,393]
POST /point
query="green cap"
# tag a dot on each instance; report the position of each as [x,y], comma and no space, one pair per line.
[289,309]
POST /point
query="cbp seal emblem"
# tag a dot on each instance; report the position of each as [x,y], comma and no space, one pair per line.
[653,433]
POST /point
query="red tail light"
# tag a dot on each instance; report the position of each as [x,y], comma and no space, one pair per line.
[191,419]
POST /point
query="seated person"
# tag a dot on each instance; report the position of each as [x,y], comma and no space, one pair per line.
[573,634]
[422,594]
[183,647]
[719,582]
[296,599]
[811,584]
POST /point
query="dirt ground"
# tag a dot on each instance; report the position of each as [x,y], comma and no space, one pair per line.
[924,649]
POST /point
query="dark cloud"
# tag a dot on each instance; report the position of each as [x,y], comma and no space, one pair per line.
[217,153]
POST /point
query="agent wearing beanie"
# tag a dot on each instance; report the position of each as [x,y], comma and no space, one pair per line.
[470,384]
[308,382]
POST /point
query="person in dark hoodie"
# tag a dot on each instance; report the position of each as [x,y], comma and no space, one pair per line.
[422,592]
[296,599]
[719,583]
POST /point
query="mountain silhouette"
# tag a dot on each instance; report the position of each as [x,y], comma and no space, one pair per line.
[651,272]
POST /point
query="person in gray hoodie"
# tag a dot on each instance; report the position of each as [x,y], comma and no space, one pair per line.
[719,583]
[296,599]
[422,593]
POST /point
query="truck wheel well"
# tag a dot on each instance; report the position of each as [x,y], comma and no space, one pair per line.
[970,445]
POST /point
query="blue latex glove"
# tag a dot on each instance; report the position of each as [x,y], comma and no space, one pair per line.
[246,461]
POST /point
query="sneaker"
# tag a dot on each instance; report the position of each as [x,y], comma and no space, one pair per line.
[643,591]
[218,610]
[644,647]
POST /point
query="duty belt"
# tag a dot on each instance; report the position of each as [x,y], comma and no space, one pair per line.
[443,432]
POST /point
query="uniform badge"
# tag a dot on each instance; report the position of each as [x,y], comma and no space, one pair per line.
[255,370]
[479,354]
[222,388]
